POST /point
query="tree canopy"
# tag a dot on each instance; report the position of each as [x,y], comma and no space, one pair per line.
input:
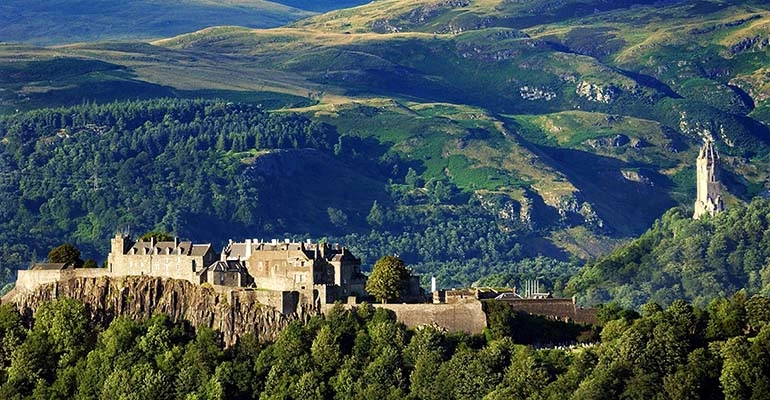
[388,279]
[208,170]
[683,258]
[157,236]
[66,254]
[678,352]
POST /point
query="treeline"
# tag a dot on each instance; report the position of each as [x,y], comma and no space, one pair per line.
[679,257]
[681,352]
[193,168]
[81,173]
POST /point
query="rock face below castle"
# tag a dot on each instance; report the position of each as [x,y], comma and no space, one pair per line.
[709,198]
[232,313]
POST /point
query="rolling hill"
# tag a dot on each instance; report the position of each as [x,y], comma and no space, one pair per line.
[68,21]
[572,124]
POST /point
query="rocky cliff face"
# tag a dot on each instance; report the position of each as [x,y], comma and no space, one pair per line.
[232,313]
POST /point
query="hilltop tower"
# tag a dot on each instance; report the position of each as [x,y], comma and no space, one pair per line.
[709,198]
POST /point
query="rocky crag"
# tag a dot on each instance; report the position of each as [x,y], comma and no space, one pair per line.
[232,313]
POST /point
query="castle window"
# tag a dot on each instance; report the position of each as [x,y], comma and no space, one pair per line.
[193,265]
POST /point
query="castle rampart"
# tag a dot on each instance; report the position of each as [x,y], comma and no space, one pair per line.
[565,310]
[468,316]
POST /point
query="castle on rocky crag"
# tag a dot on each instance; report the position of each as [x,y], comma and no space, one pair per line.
[317,274]
[289,277]
[709,198]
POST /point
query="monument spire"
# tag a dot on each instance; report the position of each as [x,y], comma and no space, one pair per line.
[709,198]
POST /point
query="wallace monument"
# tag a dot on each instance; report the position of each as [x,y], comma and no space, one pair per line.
[709,198]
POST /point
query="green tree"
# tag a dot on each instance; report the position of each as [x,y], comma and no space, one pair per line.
[388,279]
[376,216]
[66,253]
[758,312]
[738,374]
[325,351]
[383,377]
[337,217]
[411,178]
[157,236]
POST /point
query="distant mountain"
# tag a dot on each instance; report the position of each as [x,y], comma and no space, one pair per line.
[67,21]
[321,5]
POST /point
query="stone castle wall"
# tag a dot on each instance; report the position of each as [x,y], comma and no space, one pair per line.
[175,266]
[29,280]
[468,316]
[560,309]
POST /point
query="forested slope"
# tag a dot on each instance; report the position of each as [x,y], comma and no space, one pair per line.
[213,171]
[682,258]
[678,353]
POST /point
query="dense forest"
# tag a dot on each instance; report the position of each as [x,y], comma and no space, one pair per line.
[214,170]
[682,352]
[682,258]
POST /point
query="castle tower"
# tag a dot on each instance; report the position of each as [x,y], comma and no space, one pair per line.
[709,199]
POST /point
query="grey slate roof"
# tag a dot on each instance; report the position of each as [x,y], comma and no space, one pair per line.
[224,266]
[166,247]
[200,249]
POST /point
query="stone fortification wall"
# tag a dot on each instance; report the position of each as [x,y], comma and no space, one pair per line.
[468,317]
[286,302]
[231,312]
[29,280]
[561,309]
[175,266]
[465,317]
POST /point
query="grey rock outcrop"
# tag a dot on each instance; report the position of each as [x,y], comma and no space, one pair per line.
[597,93]
[233,313]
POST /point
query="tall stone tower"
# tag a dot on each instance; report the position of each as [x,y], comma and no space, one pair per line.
[709,198]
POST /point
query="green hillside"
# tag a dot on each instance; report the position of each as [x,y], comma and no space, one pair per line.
[682,258]
[569,126]
[215,170]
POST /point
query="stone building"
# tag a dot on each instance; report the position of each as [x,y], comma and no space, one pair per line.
[226,273]
[167,259]
[314,274]
[321,273]
[709,198]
